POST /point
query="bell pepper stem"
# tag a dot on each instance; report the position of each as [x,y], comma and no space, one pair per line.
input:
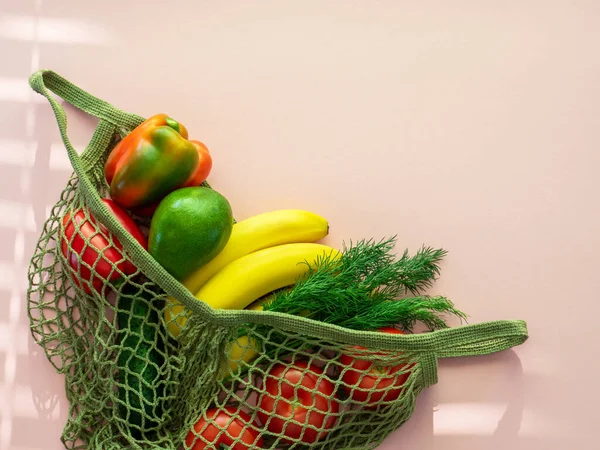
[173,124]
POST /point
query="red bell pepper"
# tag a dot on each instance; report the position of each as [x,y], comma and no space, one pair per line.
[86,245]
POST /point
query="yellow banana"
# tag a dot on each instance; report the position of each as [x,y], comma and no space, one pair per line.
[256,306]
[240,352]
[250,277]
[265,230]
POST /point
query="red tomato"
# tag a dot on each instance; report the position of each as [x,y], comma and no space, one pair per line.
[218,430]
[97,253]
[367,382]
[312,406]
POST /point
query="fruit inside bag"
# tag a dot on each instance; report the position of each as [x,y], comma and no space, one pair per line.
[223,334]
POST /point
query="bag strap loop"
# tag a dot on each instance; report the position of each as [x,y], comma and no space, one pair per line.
[480,339]
[469,340]
[44,80]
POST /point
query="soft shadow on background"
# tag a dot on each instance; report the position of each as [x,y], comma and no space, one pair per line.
[482,403]
[51,165]
[34,169]
[487,402]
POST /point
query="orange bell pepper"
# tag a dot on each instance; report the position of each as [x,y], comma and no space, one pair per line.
[155,159]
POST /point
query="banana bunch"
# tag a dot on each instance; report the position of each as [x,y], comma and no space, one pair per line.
[264,253]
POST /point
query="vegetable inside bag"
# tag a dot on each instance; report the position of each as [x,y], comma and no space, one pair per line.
[133,384]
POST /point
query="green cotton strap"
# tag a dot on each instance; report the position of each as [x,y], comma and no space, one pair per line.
[471,340]
[111,119]
[461,341]
[479,339]
[44,80]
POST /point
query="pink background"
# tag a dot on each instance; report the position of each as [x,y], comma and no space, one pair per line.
[470,125]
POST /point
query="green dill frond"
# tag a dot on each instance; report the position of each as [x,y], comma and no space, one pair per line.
[367,288]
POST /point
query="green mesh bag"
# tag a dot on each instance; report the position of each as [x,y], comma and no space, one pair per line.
[130,384]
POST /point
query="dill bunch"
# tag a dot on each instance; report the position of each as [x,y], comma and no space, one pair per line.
[367,288]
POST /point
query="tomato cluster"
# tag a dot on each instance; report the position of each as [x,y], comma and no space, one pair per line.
[298,402]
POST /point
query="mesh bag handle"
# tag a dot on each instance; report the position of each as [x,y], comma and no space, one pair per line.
[44,80]
[478,339]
